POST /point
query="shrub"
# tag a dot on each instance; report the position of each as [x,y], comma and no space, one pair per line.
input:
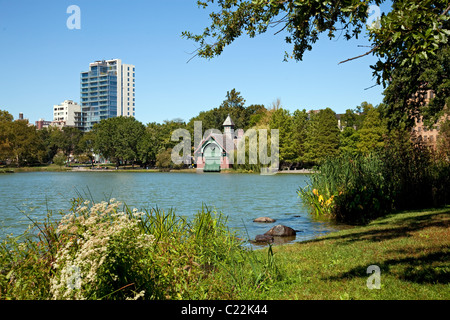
[348,188]
[359,188]
[108,251]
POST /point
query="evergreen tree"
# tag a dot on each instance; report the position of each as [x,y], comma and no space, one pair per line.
[372,133]
[299,132]
[349,138]
[282,121]
[322,139]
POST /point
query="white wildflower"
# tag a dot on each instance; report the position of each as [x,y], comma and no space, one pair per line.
[137,296]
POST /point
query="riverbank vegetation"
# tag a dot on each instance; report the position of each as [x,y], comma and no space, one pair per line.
[359,188]
[108,251]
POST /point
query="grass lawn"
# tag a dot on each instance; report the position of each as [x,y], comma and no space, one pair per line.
[48,168]
[411,249]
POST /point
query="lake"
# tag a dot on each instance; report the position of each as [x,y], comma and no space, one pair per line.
[241,197]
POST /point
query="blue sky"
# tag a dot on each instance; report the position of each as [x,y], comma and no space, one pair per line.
[42,60]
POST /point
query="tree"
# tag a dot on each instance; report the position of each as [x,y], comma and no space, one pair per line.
[355,117]
[282,121]
[299,133]
[443,141]
[348,141]
[233,106]
[66,140]
[59,159]
[322,139]
[164,160]
[408,36]
[152,142]
[85,147]
[6,120]
[373,132]
[24,143]
[50,149]
[406,95]
[117,138]
[255,113]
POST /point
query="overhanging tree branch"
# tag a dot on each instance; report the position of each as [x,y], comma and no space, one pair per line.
[360,56]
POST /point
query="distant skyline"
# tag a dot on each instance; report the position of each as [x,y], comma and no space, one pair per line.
[42,61]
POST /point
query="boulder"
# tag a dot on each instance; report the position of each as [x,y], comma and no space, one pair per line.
[264,220]
[263,238]
[281,231]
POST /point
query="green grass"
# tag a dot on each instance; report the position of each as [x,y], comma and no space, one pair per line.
[411,249]
[49,168]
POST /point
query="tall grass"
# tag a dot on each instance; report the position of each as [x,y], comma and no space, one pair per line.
[358,189]
[350,189]
[109,251]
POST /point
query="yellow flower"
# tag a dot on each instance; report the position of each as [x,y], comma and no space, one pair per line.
[315,192]
[320,199]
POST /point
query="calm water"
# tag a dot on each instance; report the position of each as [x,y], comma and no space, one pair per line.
[241,197]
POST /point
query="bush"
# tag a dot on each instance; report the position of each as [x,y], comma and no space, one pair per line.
[108,251]
[358,188]
[349,189]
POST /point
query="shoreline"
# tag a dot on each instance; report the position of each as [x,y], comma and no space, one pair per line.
[113,169]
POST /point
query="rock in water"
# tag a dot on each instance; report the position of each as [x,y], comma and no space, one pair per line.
[263,238]
[281,231]
[264,220]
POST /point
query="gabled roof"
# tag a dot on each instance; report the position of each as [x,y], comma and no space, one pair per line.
[228,122]
[218,138]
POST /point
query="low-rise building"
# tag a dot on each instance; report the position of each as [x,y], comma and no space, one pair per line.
[68,114]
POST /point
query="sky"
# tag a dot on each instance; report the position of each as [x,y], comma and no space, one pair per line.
[42,60]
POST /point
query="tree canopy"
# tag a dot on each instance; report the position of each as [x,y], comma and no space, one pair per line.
[411,38]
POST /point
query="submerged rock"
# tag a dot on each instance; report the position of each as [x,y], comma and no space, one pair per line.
[263,238]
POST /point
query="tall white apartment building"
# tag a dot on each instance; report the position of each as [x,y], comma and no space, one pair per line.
[107,91]
[68,114]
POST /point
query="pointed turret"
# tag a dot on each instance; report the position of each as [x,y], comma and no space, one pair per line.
[228,128]
[228,122]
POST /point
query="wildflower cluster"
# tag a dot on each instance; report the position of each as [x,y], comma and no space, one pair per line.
[107,251]
[317,202]
[98,242]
